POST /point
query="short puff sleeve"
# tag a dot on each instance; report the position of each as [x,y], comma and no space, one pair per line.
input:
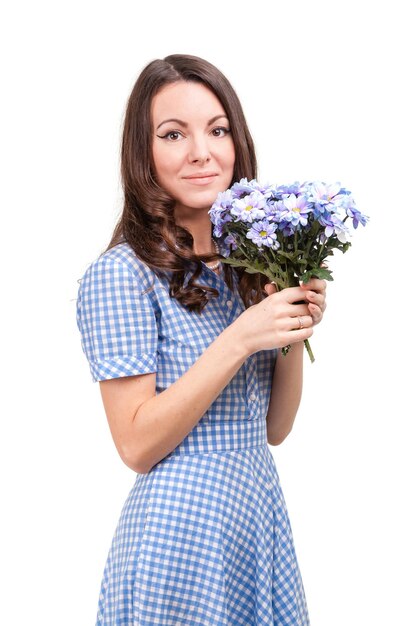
[117,322]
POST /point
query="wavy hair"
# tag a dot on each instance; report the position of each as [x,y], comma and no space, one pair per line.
[147,221]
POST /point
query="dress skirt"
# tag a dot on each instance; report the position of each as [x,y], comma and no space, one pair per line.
[204,538]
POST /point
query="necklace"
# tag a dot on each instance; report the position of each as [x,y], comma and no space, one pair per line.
[217,263]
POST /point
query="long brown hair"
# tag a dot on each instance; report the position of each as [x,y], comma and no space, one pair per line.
[147,221]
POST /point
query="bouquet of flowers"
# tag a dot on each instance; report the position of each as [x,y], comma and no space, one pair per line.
[285,231]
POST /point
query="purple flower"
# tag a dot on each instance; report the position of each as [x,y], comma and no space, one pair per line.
[263,234]
[244,187]
[218,230]
[241,188]
[273,210]
[221,206]
[264,188]
[326,197]
[220,211]
[296,188]
[249,208]
[223,201]
[286,228]
[295,210]
[219,219]
[230,240]
[334,226]
[322,193]
[354,213]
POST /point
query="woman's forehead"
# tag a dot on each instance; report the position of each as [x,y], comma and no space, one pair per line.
[182,100]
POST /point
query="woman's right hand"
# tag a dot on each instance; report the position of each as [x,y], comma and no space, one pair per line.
[276,321]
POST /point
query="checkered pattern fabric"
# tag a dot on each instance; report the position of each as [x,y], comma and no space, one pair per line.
[204,538]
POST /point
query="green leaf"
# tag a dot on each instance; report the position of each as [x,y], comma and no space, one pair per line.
[252,270]
[254,267]
[274,267]
[286,255]
[318,272]
[258,265]
[233,261]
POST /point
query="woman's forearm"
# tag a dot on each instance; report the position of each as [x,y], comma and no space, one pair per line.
[287,384]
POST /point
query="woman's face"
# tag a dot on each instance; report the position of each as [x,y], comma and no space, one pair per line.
[191,137]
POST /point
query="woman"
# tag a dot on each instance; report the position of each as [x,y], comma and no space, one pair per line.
[194,387]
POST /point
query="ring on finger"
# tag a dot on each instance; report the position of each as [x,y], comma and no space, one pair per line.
[300,321]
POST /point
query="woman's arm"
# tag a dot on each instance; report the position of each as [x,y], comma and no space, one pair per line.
[146,427]
[287,381]
[287,385]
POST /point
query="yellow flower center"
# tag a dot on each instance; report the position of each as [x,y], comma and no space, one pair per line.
[249,207]
[262,232]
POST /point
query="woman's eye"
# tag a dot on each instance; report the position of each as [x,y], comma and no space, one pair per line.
[169,135]
[221,130]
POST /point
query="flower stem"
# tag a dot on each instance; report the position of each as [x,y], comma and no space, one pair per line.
[309,350]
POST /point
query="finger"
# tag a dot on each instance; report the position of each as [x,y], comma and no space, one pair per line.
[270,288]
[300,322]
[315,298]
[295,310]
[297,322]
[292,294]
[300,335]
[316,313]
[315,284]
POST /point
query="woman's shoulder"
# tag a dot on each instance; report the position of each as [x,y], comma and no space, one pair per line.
[121,259]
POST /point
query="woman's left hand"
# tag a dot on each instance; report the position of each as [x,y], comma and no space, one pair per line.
[316,298]
[315,295]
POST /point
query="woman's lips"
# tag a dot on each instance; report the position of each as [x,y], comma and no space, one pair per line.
[203,180]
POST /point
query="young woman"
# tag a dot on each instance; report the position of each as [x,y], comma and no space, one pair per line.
[194,387]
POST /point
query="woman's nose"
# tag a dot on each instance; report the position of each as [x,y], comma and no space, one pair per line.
[199,149]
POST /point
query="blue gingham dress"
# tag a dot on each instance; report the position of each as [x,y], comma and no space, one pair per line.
[204,537]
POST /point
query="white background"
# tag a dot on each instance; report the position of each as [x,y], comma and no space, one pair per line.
[327,92]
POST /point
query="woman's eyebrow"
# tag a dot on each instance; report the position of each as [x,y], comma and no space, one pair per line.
[174,119]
